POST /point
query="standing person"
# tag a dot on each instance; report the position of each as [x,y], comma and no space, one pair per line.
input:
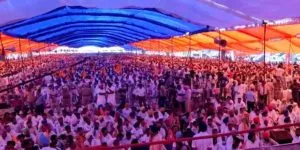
[295,87]
[66,100]
[86,94]
[252,141]
[279,73]
[250,99]
[188,99]
[101,100]
[139,93]
[162,95]
[202,144]
[278,89]
[222,82]
[156,136]
[262,94]
[180,98]
[30,98]
[40,102]
[196,96]
[53,100]
[111,94]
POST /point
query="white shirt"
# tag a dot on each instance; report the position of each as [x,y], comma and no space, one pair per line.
[180,95]
[107,139]
[202,144]
[238,106]
[139,92]
[101,97]
[47,79]
[144,139]
[296,139]
[250,144]
[48,148]
[111,97]
[279,72]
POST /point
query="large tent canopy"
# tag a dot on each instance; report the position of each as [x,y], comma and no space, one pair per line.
[281,38]
[77,26]
[103,23]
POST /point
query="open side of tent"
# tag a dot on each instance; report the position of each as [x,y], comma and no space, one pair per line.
[18,45]
[280,38]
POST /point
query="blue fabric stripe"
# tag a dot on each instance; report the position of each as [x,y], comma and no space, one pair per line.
[108,27]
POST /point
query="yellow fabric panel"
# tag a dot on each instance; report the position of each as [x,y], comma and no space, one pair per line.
[295,47]
[258,46]
[239,47]
[282,45]
[239,36]
[202,38]
[292,30]
[186,40]
[214,35]
[258,32]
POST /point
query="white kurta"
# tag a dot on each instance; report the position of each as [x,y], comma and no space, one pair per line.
[111,98]
[101,100]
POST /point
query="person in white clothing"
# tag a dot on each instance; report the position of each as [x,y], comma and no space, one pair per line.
[202,144]
[101,100]
[139,93]
[252,141]
[111,95]
[296,139]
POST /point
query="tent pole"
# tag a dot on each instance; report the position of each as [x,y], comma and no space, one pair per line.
[22,59]
[190,51]
[264,48]
[3,51]
[2,48]
[289,53]
[158,46]
[136,57]
[30,53]
[172,56]
[219,51]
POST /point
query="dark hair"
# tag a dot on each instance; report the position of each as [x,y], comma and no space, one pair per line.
[202,126]
[11,143]
[251,135]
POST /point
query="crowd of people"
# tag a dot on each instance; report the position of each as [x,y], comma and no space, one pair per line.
[15,71]
[115,100]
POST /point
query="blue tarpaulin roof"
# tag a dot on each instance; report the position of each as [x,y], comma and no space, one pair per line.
[79,26]
[118,22]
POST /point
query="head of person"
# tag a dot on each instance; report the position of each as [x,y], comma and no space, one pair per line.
[54,140]
[10,145]
[202,126]
[266,136]
[140,85]
[251,136]
[104,131]
[239,100]
[68,128]
[28,144]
